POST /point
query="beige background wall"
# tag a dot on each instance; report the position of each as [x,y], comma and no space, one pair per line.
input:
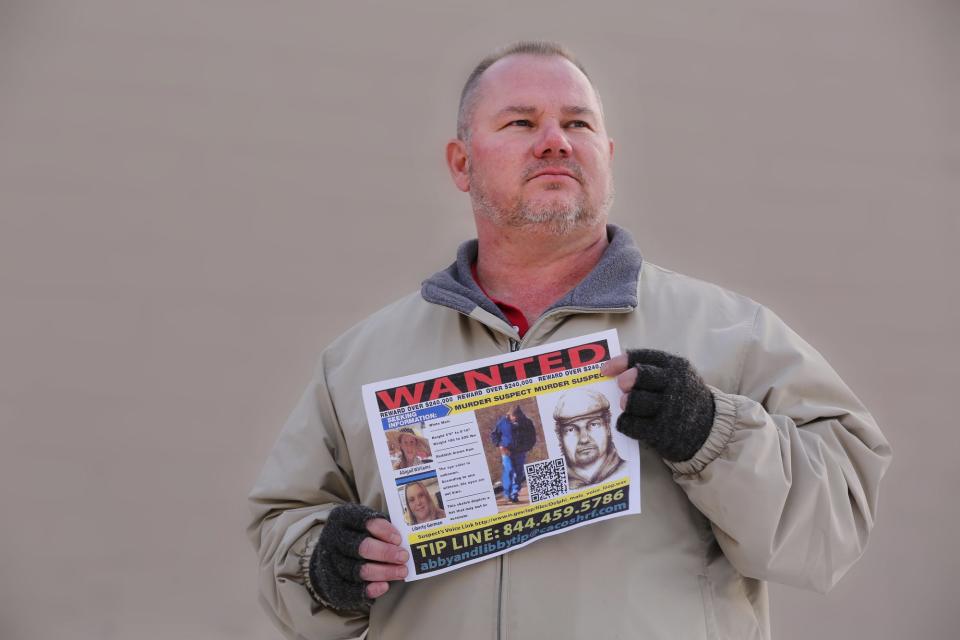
[196,196]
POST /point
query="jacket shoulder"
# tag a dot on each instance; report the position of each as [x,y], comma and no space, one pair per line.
[382,326]
[659,285]
[706,323]
[407,336]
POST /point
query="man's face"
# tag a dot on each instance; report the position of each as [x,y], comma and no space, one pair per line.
[418,501]
[538,152]
[585,440]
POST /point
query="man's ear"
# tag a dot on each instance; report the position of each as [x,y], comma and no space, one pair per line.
[458,163]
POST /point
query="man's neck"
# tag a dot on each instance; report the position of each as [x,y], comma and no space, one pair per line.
[531,270]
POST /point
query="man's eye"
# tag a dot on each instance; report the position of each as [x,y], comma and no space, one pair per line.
[578,124]
[569,430]
[522,123]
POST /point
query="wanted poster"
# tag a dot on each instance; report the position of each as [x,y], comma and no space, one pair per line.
[481,458]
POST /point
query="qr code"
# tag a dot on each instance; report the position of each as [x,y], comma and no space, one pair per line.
[547,479]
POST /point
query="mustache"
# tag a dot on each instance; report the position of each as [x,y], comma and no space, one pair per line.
[568,165]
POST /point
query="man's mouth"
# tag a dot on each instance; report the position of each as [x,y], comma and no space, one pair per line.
[586,450]
[553,174]
[556,172]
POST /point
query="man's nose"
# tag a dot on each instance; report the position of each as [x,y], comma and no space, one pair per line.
[552,142]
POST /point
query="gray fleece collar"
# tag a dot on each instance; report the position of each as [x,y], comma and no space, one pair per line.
[611,285]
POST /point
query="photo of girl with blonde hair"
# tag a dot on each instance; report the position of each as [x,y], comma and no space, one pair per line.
[408,448]
[420,504]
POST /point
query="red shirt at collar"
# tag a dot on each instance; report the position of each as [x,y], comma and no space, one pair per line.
[514,315]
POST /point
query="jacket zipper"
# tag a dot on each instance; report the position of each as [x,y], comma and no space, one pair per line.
[563,310]
[500,598]
[516,345]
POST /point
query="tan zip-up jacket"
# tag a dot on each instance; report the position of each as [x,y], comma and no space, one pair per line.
[784,489]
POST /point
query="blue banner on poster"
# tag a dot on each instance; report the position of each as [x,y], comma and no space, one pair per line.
[413,417]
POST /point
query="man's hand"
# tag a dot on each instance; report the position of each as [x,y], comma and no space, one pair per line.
[666,404]
[357,555]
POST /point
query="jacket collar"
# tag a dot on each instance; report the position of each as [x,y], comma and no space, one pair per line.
[612,284]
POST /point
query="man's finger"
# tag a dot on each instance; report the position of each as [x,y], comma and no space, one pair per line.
[614,366]
[377,589]
[383,530]
[379,551]
[376,572]
[649,377]
[643,376]
[627,379]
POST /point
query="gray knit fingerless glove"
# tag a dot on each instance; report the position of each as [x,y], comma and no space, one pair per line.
[334,570]
[669,408]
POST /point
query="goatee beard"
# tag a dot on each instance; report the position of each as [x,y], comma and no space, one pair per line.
[556,218]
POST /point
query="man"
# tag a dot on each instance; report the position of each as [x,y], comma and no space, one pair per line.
[757,462]
[581,419]
[514,435]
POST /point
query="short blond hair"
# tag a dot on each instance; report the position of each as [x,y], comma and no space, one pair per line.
[468,96]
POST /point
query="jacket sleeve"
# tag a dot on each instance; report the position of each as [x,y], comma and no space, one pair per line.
[790,473]
[307,474]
